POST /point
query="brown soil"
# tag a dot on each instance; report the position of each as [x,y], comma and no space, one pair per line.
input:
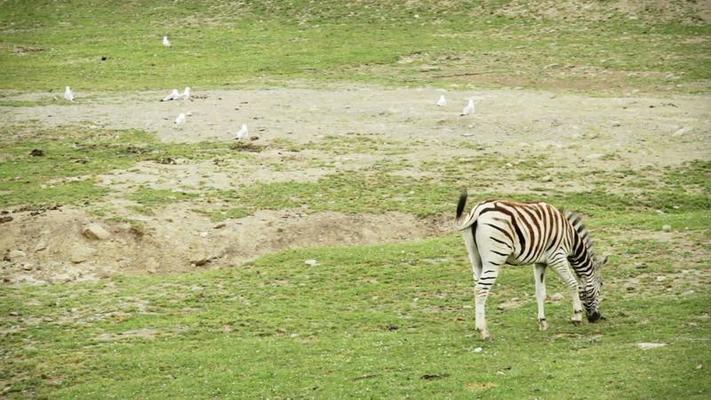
[179,240]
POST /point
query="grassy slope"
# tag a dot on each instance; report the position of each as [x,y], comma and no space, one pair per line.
[258,42]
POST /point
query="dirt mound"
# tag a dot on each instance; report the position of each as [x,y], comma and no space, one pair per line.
[56,246]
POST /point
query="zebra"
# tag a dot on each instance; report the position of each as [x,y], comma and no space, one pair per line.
[497,232]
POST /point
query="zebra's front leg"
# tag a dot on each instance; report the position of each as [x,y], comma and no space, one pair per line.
[562,267]
[538,275]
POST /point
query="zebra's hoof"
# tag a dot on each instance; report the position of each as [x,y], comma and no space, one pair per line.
[542,325]
[576,322]
[485,335]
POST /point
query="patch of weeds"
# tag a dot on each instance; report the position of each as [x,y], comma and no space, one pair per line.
[223,214]
[693,175]
[42,165]
[357,143]
[288,145]
[249,147]
[43,101]
[149,198]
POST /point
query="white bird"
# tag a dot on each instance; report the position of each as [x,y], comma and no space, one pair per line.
[242,133]
[68,94]
[186,93]
[166,42]
[180,120]
[442,101]
[469,108]
[174,95]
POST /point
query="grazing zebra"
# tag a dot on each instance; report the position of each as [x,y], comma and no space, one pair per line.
[497,232]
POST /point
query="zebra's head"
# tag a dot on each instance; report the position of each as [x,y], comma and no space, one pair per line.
[591,290]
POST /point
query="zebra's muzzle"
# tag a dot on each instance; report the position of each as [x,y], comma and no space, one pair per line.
[595,316]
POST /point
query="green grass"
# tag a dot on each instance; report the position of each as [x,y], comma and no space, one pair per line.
[368,321]
[257,43]
[74,156]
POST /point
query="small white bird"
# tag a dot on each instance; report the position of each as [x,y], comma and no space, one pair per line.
[68,94]
[180,120]
[469,108]
[242,133]
[442,101]
[166,42]
[174,95]
[186,93]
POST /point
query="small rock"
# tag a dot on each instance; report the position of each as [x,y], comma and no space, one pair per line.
[666,228]
[95,231]
[556,297]
[547,178]
[5,218]
[478,350]
[152,265]
[649,346]
[80,254]
[37,153]
[509,305]
[220,225]
[203,234]
[202,261]
[661,278]
[699,366]
[681,131]
[311,263]
[16,254]
[41,245]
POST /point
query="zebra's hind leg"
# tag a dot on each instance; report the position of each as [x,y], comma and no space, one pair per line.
[490,270]
[538,275]
[473,253]
[562,267]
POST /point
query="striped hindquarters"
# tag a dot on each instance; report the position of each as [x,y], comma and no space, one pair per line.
[530,231]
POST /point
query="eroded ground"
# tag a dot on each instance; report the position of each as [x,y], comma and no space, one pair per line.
[343,165]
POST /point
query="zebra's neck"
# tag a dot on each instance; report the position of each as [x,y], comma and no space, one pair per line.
[581,256]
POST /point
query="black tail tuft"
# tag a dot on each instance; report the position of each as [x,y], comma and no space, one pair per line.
[462,203]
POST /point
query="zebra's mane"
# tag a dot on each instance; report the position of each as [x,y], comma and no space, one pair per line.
[577,221]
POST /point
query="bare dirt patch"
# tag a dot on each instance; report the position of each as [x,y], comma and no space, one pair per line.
[50,247]
[640,127]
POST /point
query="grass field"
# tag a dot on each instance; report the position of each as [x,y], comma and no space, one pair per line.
[390,317]
[376,321]
[462,43]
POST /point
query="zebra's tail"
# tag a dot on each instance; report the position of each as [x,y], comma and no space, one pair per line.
[461,222]
[462,202]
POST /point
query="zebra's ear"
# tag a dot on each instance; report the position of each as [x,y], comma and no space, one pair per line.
[604,260]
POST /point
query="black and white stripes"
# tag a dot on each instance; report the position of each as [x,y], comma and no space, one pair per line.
[498,232]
